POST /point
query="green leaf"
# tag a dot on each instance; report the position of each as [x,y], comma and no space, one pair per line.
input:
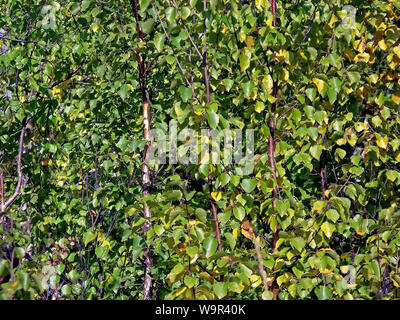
[248,185]
[235,286]
[159,41]
[239,213]
[231,240]
[311,93]
[192,251]
[190,281]
[220,289]
[392,175]
[74,275]
[88,236]
[224,179]
[171,14]
[332,215]
[201,214]
[147,26]
[173,195]
[19,252]
[213,120]
[178,268]
[210,246]
[244,62]
[298,243]
[186,93]
[123,92]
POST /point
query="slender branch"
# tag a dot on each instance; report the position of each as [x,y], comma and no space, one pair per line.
[310,22]
[22,41]
[287,111]
[169,40]
[17,191]
[69,76]
[260,264]
[187,31]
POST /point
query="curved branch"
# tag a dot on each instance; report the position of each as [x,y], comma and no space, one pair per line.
[17,190]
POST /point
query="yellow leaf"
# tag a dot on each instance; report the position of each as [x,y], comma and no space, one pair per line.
[396,50]
[344,269]
[398,157]
[361,233]
[268,82]
[325,271]
[360,126]
[205,158]
[382,45]
[319,84]
[281,55]
[396,97]
[106,243]
[318,206]
[333,20]
[259,107]
[235,233]
[285,76]
[178,110]
[249,41]
[381,141]
[352,139]
[179,291]
[341,142]
[216,195]
[260,4]
[328,228]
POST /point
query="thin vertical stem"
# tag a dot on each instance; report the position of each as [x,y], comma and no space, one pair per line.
[214,209]
[271,160]
[146,182]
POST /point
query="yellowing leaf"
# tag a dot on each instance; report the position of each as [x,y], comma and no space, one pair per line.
[328,228]
[281,55]
[244,60]
[268,82]
[396,97]
[382,45]
[179,291]
[216,195]
[381,141]
[361,233]
[246,234]
[260,4]
[235,233]
[344,269]
[247,230]
[205,158]
[319,84]
[341,142]
[259,107]
[326,271]
[249,41]
[318,206]
[396,50]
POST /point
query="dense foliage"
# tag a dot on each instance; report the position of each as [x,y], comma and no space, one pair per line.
[318,217]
